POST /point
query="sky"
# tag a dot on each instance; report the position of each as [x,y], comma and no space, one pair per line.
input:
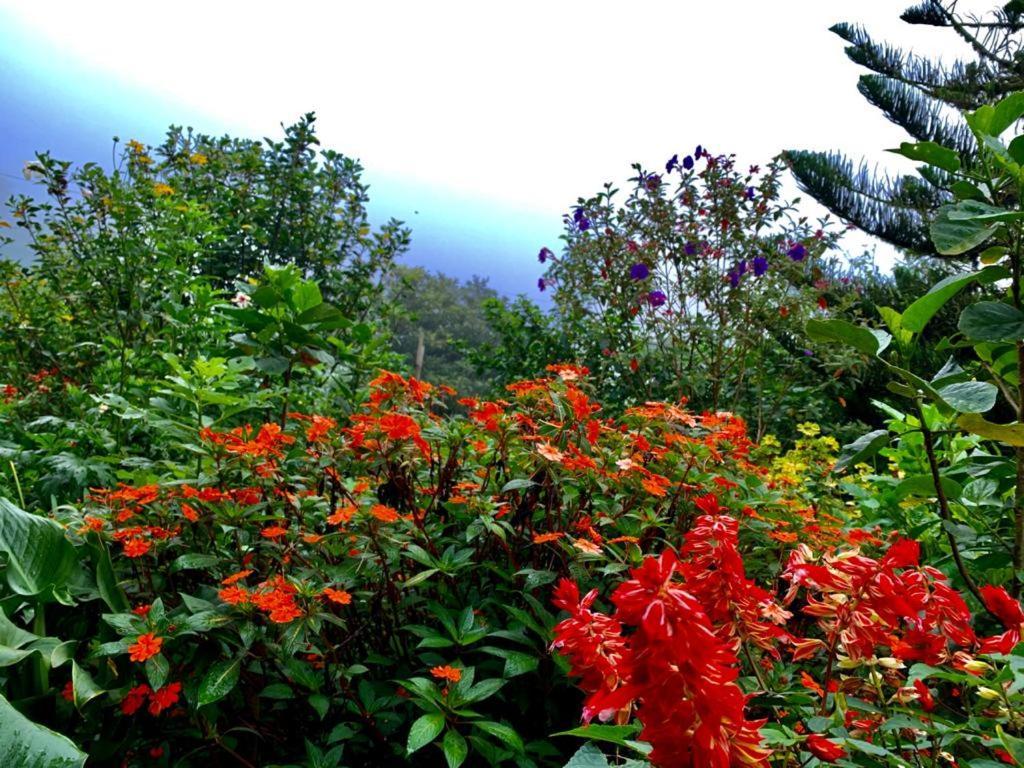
[478,123]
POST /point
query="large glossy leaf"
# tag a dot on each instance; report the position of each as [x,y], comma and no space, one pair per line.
[24,744]
[992,321]
[977,211]
[588,756]
[1011,434]
[424,730]
[917,315]
[1007,111]
[931,153]
[953,237]
[221,678]
[39,557]
[970,396]
[862,448]
[455,748]
[865,340]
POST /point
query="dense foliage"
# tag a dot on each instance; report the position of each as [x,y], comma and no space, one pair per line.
[237,529]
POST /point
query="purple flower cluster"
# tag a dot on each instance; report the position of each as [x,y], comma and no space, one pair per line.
[797,252]
[639,271]
[581,220]
[545,254]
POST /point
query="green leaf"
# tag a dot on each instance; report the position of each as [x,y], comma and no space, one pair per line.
[518,484]
[924,486]
[1007,111]
[501,732]
[1010,434]
[917,315]
[219,681]
[614,734]
[931,153]
[106,581]
[588,756]
[305,296]
[862,448]
[157,670]
[970,396]
[39,557]
[193,561]
[1011,744]
[865,340]
[983,213]
[24,744]
[952,238]
[992,321]
[423,731]
[83,687]
[455,748]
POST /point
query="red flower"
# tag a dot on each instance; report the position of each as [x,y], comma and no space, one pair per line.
[824,749]
[164,698]
[451,674]
[134,699]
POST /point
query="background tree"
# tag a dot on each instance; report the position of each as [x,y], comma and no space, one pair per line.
[924,98]
[437,320]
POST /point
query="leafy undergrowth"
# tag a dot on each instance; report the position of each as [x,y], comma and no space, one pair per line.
[393,587]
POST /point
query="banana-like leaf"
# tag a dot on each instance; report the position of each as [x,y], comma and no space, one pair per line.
[24,744]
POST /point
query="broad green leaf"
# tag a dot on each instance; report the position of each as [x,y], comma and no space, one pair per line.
[219,681]
[977,211]
[501,732]
[970,396]
[588,756]
[1008,110]
[917,315]
[83,687]
[923,485]
[24,744]
[1011,744]
[953,237]
[931,153]
[862,448]
[614,734]
[865,340]
[39,557]
[992,321]
[455,748]
[1010,434]
[424,730]
[106,581]
[157,670]
[193,561]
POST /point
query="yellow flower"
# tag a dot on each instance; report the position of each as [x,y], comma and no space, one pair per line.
[137,147]
[808,429]
[198,159]
[162,189]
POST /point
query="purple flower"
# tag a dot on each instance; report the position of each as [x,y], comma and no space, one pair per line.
[541,284]
[582,222]
[808,353]
[698,151]
[687,162]
[656,298]
[639,271]
[797,252]
[672,164]
[544,255]
[736,273]
[760,265]
[750,193]
[690,249]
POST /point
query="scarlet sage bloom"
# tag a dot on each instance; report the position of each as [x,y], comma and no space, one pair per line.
[145,647]
[824,749]
[136,547]
[672,670]
[451,674]
[384,513]
[1009,612]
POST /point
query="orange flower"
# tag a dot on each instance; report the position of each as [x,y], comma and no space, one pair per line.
[451,674]
[384,513]
[189,512]
[234,595]
[145,647]
[339,596]
[544,538]
[274,532]
[549,452]
[136,547]
[341,515]
[584,545]
[236,577]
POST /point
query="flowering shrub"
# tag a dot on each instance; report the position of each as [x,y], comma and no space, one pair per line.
[381,581]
